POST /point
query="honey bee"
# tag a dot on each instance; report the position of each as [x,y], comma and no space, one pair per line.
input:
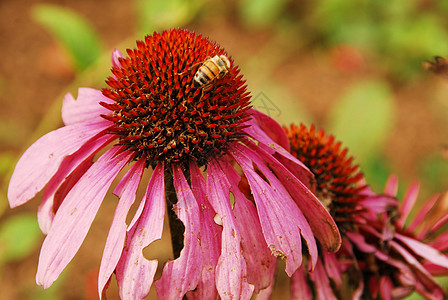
[212,68]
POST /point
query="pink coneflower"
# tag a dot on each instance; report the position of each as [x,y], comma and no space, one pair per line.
[379,256]
[397,255]
[155,116]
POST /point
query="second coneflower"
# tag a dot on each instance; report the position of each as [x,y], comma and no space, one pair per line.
[379,256]
[157,115]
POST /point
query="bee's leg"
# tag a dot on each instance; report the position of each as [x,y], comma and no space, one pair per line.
[205,88]
[189,69]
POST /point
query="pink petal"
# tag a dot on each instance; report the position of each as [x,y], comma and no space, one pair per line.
[126,191]
[320,220]
[84,109]
[265,294]
[386,286]
[255,131]
[423,250]
[231,276]
[182,275]
[47,208]
[134,272]
[261,264]
[391,186]
[432,294]
[42,159]
[74,217]
[300,289]
[439,223]
[282,221]
[408,203]
[210,239]
[358,240]
[441,242]
[434,269]
[424,276]
[378,204]
[116,54]
[70,171]
[271,128]
[402,292]
[322,283]
[331,265]
[422,214]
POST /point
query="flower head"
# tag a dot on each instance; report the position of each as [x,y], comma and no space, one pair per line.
[397,255]
[155,116]
[379,256]
[159,111]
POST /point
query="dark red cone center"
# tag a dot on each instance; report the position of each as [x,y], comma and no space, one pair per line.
[162,113]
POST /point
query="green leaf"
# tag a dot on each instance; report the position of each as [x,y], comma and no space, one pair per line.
[434,172]
[70,29]
[19,236]
[261,12]
[155,14]
[362,118]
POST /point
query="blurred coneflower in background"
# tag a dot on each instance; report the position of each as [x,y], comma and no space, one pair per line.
[383,254]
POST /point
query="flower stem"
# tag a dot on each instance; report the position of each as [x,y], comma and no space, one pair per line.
[177,228]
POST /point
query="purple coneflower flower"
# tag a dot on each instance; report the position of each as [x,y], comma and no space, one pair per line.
[155,116]
[379,256]
[397,255]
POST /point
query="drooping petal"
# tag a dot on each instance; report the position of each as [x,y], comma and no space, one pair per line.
[300,289]
[271,128]
[116,54]
[331,265]
[134,272]
[360,242]
[126,190]
[378,204]
[423,250]
[210,239]
[320,220]
[391,187]
[182,275]
[282,221]
[385,287]
[71,170]
[52,200]
[265,294]
[408,203]
[75,215]
[42,159]
[261,264]
[85,108]
[231,272]
[434,294]
[300,170]
[322,283]
[422,213]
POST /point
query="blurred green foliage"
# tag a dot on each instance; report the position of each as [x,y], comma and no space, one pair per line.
[19,235]
[261,12]
[434,170]
[363,117]
[401,34]
[72,31]
[155,15]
